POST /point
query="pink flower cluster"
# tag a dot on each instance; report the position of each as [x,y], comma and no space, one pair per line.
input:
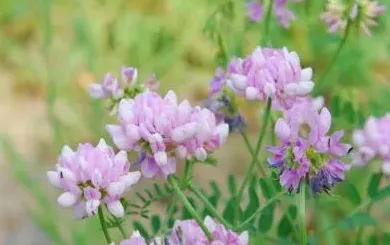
[363,12]
[373,140]
[189,232]
[255,12]
[162,130]
[91,176]
[306,151]
[270,73]
[110,87]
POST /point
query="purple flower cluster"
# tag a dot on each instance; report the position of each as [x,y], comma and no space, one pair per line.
[110,87]
[363,12]
[255,12]
[306,151]
[373,140]
[270,73]
[91,176]
[163,130]
[189,232]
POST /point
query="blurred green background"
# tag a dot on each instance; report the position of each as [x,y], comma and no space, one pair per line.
[50,50]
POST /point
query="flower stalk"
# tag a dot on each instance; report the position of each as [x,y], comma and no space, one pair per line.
[188,206]
[103,225]
[302,214]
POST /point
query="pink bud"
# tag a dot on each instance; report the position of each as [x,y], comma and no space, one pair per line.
[54,178]
[282,129]
[67,200]
[116,208]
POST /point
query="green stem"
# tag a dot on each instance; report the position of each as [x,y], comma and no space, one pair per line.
[123,232]
[263,172]
[321,81]
[257,149]
[209,206]
[302,213]
[355,211]
[259,210]
[103,224]
[188,206]
[267,21]
[187,172]
[252,151]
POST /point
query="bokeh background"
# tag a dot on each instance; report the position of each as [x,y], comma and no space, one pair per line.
[50,50]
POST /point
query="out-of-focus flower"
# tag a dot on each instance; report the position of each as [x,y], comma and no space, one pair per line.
[137,239]
[283,14]
[109,87]
[364,12]
[91,176]
[164,130]
[189,232]
[373,141]
[270,73]
[306,151]
[335,15]
[255,12]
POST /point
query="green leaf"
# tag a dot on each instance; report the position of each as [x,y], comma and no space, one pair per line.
[336,105]
[357,220]
[266,218]
[253,199]
[140,227]
[349,112]
[141,197]
[229,211]
[382,194]
[373,240]
[157,189]
[150,195]
[186,214]
[373,186]
[352,193]
[156,223]
[211,160]
[232,185]
[265,188]
[275,181]
[285,228]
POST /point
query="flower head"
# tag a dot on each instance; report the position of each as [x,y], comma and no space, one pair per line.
[164,130]
[255,12]
[270,73]
[306,151]
[364,12]
[189,232]
[109,87]
[91,176]
[373,141]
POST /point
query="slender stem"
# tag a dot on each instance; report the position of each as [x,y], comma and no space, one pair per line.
[321,81]
[103,225]
[302,213]
[260,209]
[188,206]
[267,21]
[352,213]
[263,172]
[252,151]
[208,205]
[187,172]
[257,149]
[123,232]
